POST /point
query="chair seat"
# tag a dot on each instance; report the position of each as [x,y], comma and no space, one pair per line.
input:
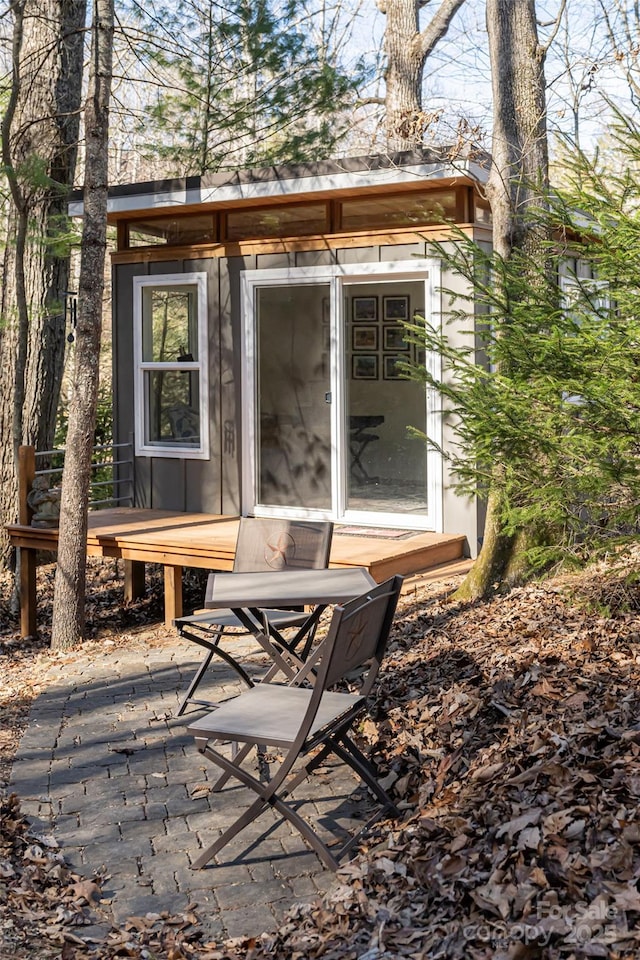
[227,618]
[271,714]
[263,545]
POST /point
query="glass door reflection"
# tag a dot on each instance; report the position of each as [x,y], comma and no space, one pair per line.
[293,389]
[386,466]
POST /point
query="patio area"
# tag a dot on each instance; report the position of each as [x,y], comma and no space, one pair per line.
[107,769]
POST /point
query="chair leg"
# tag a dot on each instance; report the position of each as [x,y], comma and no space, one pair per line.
[306,831]
[350,754]
[267,796]
[287,659]
[347,751]
[232,768]
[251,814]
[229,660]
[195,682]
[212,646]
[238,755]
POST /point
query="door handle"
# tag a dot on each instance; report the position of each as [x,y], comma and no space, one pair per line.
[327,397]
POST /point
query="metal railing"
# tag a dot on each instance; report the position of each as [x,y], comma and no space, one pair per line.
[113,475]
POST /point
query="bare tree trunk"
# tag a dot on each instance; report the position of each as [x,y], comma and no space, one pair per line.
[70,583]
[39,148]
[519,177]
[406,49]
[13,398]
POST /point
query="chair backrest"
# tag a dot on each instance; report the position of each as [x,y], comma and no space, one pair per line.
[266,543]
[358,636]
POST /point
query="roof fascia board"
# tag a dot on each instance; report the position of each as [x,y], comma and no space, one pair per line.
[190,194]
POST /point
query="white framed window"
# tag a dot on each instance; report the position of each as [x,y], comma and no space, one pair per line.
[583,296]
[581,290]
[171,390]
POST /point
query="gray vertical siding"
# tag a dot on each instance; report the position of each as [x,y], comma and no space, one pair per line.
[122,372]
[274,261]
[214,485]
[230,351]
[315,258]
[358,255]
[403,251]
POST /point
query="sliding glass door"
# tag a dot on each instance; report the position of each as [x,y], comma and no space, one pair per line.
[333,426]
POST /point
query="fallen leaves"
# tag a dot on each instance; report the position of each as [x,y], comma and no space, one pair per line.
[49,913]
[509,734]
[37,889]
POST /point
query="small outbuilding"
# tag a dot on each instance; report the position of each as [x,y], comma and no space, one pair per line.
[258,339]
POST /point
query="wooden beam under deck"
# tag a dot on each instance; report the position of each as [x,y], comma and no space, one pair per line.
[177,540]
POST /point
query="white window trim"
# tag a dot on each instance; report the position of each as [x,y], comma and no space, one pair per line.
[574,287]
[426,269]
[177,451]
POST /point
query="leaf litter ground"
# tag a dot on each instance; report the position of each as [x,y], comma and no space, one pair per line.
[509,733]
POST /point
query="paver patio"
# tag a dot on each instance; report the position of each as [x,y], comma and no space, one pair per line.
[105,766]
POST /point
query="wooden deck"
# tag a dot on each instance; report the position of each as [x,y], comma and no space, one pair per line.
[178,540]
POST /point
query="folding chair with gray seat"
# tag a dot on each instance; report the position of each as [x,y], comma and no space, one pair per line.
[263,544]
[309,722]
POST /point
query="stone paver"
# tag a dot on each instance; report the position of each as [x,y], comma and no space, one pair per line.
[107,767]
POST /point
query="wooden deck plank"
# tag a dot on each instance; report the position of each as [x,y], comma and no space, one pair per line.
[361,551]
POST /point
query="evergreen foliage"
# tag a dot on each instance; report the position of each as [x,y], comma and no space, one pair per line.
[243,85]
[545,397]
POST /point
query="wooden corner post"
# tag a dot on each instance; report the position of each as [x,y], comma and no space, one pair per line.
[26,473]
[26,556]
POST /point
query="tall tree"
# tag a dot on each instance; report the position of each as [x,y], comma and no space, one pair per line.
[407,48]
[581,55]
[518,181]
[39,148]
[551,421]
[622,25]
[245,85]
[69,595]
